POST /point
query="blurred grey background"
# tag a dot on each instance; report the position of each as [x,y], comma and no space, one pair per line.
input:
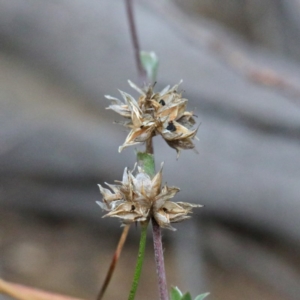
[240,65]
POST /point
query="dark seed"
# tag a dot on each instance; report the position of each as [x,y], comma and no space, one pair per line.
[171,127]
[162,102]
[165,210]
[132,207]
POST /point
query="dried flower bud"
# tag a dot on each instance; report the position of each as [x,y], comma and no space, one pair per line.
[138,198]
[160,113]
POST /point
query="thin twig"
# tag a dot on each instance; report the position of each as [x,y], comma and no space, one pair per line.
[114,262]
[159,260]
[135,41]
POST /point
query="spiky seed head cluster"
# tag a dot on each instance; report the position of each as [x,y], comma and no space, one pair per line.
[162,113]
[137,198]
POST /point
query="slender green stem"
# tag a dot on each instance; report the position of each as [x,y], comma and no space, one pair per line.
[140,260]
[145,161]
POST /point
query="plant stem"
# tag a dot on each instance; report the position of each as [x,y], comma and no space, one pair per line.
[159,260]
[140,260]
[113,262]
[157,238]
[135,41]
[146,161]
[149,146]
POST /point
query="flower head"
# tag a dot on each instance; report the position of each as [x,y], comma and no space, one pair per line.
[162,113]
[138,198]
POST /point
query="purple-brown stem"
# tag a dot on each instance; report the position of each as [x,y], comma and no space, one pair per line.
[159,260]
[135,41]
[157,238]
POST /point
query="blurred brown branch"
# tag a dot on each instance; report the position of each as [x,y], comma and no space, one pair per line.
[23,292]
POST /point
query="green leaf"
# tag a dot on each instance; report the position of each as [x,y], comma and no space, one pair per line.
[202,296]
[186,296]
[176,293]
[146,161]
[149,62]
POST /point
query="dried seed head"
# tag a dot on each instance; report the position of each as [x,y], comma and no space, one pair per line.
[138,197]
[162,113]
